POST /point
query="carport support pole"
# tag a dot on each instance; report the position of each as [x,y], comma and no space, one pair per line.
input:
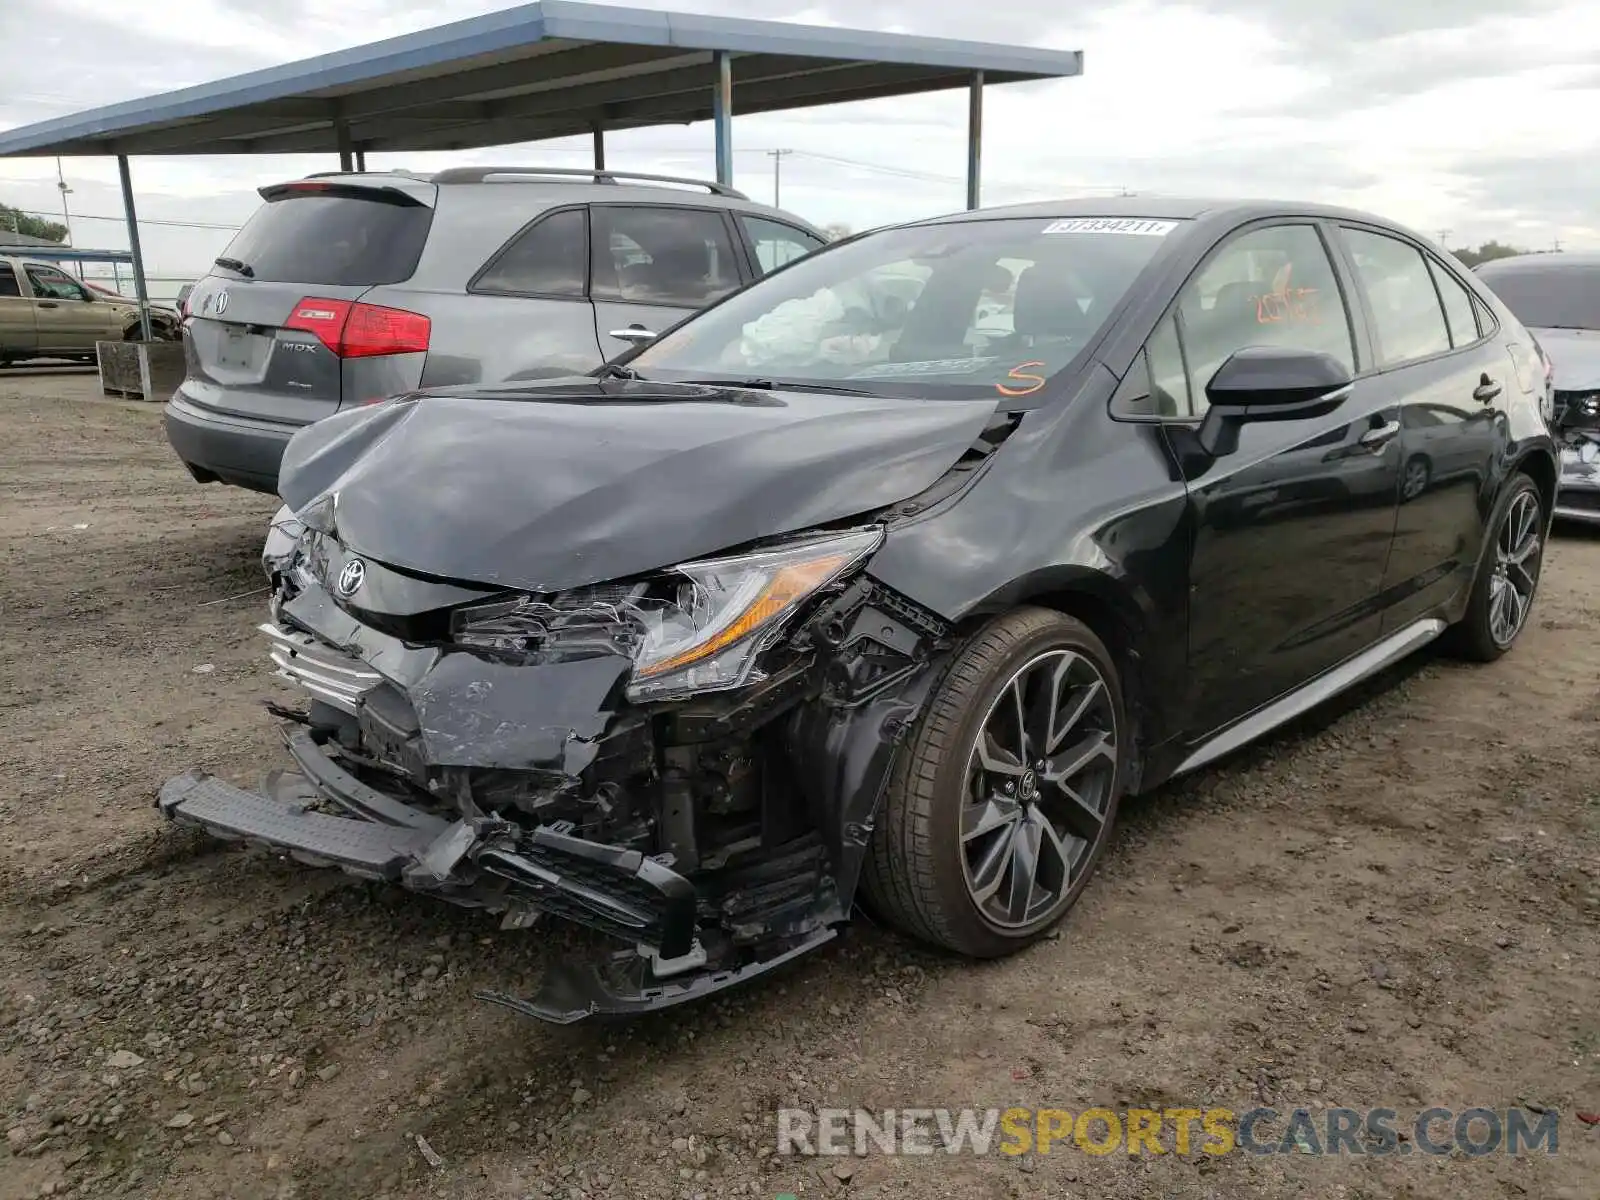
[599,146]
[347,150]
[132,218]
[974,137]
[722,116]
[361,160]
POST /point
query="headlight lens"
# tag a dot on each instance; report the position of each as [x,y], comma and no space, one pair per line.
[728,610]
[699,627]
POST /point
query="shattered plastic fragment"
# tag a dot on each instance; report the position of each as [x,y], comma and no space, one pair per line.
[429,1153]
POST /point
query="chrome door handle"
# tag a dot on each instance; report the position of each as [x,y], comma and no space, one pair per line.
[1380,435]
[633,333]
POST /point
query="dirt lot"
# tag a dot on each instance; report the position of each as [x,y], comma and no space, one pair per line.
[1397,904]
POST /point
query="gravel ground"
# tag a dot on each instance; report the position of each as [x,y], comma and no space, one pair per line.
[1396,903]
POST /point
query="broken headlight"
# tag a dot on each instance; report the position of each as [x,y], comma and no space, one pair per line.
[699,627]
[725,611]
[283,539]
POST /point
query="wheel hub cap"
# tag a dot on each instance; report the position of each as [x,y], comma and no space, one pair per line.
[1039,789]
[1518,551]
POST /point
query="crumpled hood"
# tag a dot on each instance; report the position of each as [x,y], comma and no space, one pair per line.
[556,484]
[1575,354]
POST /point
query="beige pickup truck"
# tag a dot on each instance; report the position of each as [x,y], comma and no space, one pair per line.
[46,313]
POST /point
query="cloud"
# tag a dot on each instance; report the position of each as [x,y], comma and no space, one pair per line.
[1480,116]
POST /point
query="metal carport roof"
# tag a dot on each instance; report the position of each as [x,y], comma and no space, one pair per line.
[536,71]
[543,70]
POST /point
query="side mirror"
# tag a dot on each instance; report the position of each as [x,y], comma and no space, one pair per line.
[1265,383]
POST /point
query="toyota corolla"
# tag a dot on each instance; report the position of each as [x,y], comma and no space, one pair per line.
[886,579]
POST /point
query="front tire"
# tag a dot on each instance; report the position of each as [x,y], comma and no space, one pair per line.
[1005,797]
[1508,575]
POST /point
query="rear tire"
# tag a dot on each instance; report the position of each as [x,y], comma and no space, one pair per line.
[1508,575]
[1006,794]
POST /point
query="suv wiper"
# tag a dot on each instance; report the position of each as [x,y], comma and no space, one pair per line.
[613,371]
[236,264]
[769,385]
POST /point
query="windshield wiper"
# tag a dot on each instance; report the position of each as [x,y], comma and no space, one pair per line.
[613,371]
[780,385]
[236,264]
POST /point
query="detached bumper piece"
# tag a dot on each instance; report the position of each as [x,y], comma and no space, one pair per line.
[627,984]
[484,864]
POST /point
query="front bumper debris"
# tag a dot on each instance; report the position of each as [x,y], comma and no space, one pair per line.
[1578,494]
[716,839]
[485,864]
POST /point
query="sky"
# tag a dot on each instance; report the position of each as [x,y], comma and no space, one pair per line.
[1469,119]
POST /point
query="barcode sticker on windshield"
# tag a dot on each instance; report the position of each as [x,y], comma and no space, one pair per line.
[1138,226]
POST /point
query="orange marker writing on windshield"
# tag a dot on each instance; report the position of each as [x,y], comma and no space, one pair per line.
[1033,382]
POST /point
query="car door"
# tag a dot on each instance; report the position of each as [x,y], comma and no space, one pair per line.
[526,313]
[774,243]
[653,265]
[1291,531]
[67,317]
[1437,348]
[18,333]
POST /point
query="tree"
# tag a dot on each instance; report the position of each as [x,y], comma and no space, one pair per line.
[836,231]
[1487,252]
[13,220]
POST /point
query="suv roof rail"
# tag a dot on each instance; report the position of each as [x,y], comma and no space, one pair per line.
[483,174]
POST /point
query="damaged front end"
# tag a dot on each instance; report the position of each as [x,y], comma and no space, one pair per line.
[689,761]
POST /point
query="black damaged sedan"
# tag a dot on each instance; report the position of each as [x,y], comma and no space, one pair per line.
[882,581]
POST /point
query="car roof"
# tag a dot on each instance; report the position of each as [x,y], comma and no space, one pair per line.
[568,186]
[1176,208]
[1541,261]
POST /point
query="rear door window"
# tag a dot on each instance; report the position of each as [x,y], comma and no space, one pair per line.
[659,255]
[8,281]
[1405,307]
[338,238]
[548,258]
[776,243]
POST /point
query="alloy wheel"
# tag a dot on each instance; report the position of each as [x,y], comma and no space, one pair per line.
[1039,788]
[1517,554]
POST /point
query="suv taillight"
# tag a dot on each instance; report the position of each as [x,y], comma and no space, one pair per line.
[361,330]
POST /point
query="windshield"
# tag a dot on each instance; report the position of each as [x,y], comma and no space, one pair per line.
[952,310]
[1547,295]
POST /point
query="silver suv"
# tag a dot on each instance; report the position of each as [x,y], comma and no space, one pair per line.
[346,288]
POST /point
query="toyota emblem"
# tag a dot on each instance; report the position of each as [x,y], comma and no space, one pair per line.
[220,304]
[350,579]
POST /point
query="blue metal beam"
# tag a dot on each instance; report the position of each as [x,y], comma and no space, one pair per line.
[974,138]
[63,253]
[133,246]
[722,116]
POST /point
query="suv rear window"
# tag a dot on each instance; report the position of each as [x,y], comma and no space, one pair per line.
[1546,295]
[315,237]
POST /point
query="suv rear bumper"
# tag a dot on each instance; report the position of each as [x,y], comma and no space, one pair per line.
[243,451]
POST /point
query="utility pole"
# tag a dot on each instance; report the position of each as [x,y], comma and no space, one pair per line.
[66,216]
[777,172]
[1444,237]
